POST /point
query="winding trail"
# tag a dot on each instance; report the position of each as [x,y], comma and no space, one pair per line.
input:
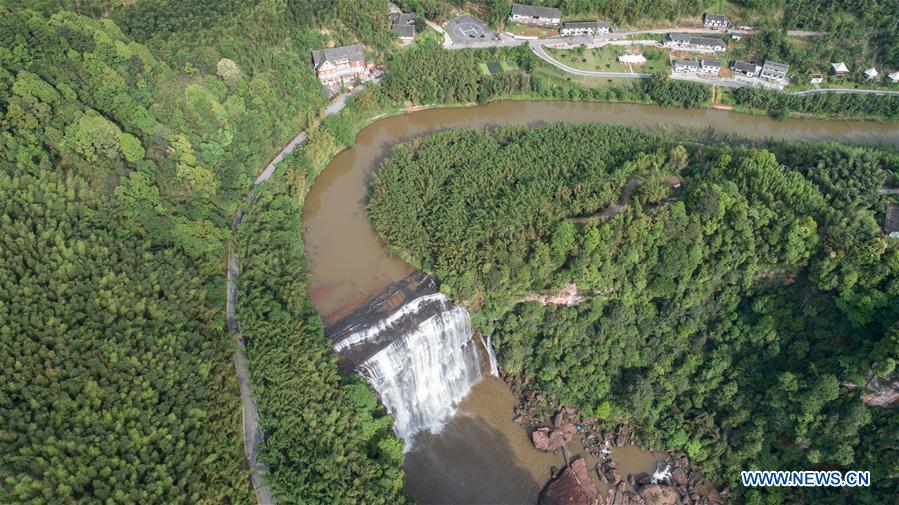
[252,433]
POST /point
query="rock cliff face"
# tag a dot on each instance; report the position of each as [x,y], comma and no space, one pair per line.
[573,487]
[879,391]
[567,296]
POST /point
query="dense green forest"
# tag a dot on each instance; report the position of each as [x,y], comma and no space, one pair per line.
[129,132]
[720,316]
[126,142]
[824,104]
[328,439]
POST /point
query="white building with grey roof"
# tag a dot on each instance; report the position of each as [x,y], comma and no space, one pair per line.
[576,28]
[774,71]
[535,15]
[715,21]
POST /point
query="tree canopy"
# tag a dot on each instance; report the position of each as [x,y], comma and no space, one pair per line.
[728,289]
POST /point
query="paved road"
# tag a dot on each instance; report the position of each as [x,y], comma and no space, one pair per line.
[537,46]
[846,91]
[334,107]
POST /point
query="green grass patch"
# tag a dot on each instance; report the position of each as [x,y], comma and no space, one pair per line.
[605,59]
[495,67]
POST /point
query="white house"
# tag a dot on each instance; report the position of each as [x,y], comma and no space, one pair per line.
[706,44]
[687,66]
[894,77]
[575,28]
[715,21]
[533,15]
[746,68]
[711,67]
[686,42]
[871,74]
[677,40]
[774,71]
[839,70]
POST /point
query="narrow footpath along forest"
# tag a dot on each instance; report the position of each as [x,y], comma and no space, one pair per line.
[727,304]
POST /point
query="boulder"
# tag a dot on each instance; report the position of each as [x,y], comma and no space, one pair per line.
[557,439]
[634,498]
[679,476]
[614,477]
[642,479]
[655,494]
[541,440]
[573,487]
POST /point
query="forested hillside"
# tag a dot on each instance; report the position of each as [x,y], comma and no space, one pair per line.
[328,439]
[719,316]
[127,135]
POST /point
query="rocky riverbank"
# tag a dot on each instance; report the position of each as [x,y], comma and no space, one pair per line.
[555,428]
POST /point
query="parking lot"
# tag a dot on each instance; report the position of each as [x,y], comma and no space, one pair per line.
[469,30]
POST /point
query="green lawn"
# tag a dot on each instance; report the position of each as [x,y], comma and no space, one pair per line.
[496,67]
[605,59]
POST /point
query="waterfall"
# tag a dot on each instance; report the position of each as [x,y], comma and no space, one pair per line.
[429,365]
[488,346]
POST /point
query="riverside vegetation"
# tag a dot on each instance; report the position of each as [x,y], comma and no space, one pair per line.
[719,316]
[129,131]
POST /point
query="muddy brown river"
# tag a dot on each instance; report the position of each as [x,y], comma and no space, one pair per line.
[481,456]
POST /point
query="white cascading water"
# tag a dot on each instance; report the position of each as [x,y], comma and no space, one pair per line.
[488,346]
[428,367]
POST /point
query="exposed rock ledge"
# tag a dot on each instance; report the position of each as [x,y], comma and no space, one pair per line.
[567,296]
[879,391]
[573,487]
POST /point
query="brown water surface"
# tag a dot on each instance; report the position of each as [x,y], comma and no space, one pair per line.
[481,456]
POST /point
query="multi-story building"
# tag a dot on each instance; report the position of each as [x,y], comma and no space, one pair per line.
[533,15]
[574,28]
[715,21]
[686,42]
[774,71]
[745,68]
[339,65]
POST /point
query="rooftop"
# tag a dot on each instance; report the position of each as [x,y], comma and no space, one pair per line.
[352,52]
[399,19]
[721,18]
[745,66]
[839,67]
[535,11]
[773,65]
[586,24]
[711,63]
[706,41]
[683,37]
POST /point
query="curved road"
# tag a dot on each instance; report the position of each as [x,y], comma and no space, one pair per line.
[536,47]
